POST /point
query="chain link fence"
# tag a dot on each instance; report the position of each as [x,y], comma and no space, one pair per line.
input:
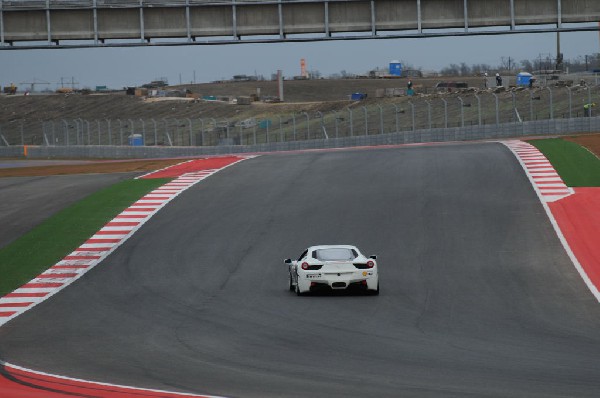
[453,116]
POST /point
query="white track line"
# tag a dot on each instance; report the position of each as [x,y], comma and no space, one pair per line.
[519,147]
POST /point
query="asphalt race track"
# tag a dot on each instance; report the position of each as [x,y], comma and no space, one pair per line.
[477,297]
[27,201]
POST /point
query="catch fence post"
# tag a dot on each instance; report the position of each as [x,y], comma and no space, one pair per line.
[413,116]
[143,131]
[155,132]
[351,123]
[380,119]
[366,120]
[551,102]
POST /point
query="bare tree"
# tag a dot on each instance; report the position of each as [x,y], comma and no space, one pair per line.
[465,70]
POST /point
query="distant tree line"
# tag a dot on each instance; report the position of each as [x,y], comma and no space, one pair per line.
[544,62]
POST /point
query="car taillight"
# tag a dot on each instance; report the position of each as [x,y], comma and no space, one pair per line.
[370,264]
[304,266]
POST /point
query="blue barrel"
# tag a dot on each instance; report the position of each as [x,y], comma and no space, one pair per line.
[136,140]
[358,96]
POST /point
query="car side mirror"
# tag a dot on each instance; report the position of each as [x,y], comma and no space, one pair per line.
[287,261]
[374,257]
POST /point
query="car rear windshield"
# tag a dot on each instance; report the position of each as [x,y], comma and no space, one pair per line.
[335,254]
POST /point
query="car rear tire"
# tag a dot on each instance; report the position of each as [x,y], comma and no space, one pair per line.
[298,292]
[374,292]
[292,288]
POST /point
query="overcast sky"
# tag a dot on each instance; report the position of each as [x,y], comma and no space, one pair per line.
[119,67]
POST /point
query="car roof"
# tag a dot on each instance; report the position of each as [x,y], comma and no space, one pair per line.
[320,247]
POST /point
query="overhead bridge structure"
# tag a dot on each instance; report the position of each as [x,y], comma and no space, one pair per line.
[90,23]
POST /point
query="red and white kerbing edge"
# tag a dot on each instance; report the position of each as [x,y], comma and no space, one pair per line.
[111,236]
[19,382]
[551,189]
[546,181]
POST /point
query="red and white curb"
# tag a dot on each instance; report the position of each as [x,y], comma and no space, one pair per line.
[17,381]
[98,247]
[533,161]
[544,178]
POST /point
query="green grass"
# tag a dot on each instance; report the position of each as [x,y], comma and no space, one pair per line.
[577,166]
[59,235]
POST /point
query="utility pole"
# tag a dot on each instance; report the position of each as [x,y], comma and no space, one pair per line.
[559,56]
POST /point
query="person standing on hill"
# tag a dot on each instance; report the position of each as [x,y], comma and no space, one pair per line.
[498,80]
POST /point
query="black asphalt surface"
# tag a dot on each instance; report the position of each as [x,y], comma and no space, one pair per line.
[478,298]
[27,201]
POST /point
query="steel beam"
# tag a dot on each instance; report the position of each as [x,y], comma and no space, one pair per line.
[373,22]
[142,31]
[327,32]
[512,15]
[280,12]
[95,3]
[48,25]
[234,20]
[188,26]
[419,21]
[1,24]
[101,12]
[466,15]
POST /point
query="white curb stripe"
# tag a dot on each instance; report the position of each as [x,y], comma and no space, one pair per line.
[544,200]
[105,241]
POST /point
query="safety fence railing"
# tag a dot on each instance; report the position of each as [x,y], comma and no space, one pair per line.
[461,116]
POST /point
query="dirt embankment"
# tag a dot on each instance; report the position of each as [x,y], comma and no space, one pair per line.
[591,142]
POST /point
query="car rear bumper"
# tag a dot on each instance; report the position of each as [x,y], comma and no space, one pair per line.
[361,279]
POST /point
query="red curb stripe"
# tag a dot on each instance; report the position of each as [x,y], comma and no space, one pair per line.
[57,275]
[122,224]
[149,209]
[93,249]
[157,197]
[554,193]
[129,216]
[102,241]
[78,266]
[118,232]
[38,294]
[81,257]
[36,285]
[44,383]
[15,304]
[7,313]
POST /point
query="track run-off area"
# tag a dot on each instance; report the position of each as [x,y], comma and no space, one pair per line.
[478,295]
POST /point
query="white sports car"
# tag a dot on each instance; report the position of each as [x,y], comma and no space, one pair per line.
[333,267]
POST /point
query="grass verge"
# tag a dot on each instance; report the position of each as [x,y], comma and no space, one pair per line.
[62,233]
[577,166]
